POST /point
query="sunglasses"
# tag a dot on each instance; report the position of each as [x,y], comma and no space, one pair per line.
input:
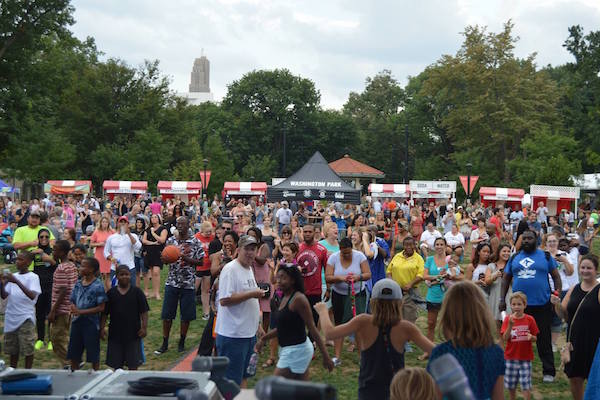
[44,237]
[286,233]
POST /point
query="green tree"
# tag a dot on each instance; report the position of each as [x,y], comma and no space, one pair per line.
[549,158]
[486,102]
[579,84]
[220,163]
[379,127]
[266,105]
[259,168]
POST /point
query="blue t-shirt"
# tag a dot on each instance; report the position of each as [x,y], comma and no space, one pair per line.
[434,293]
[377,263]
[482,365]
[89,296]
[530,275]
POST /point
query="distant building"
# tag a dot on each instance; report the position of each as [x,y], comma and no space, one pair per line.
[199,88]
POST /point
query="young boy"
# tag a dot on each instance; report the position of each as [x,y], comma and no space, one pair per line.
[128,310]
[519,331]
[22,291]
[63,282]
[87,301]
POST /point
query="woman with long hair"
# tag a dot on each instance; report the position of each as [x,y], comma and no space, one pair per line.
[475,272]
[97,242]
[467,325]
[402,233]
[581,307]
[268,234]
[380,336]
[296,230]
[416,224]
[262,274]
[566,270]
[44,267]
[139,228]
[493,279]
[294,316]
[346,269]
[153,243]
[436,272]
[290,251]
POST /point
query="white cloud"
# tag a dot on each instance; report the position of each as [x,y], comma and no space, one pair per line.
[335,43]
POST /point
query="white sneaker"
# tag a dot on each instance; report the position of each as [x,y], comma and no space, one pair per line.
[336,362]
[554,348]
[548,379]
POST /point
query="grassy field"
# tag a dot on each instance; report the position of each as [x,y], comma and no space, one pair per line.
[344,377]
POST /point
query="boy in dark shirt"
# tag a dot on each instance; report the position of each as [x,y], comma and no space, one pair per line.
[87,300]
[128,310]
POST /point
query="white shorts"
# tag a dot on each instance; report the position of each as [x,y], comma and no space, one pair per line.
[296,357]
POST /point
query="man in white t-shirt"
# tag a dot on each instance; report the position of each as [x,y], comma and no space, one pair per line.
[377,205]
[542,212]
[22,290]
[428,238]
[239,312]
[283,215]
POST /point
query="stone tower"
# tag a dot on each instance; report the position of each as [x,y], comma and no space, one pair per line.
[200,76]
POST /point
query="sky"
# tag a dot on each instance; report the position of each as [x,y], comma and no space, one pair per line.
[336,44]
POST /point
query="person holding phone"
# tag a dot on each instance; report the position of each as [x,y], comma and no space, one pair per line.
[239,311]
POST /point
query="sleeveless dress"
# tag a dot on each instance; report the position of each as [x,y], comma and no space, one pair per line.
[586,331]
[153,251]
[378,364]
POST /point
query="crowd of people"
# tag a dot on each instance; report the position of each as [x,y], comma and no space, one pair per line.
[297,277]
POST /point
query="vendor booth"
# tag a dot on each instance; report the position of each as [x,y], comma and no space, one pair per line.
[112,188]
[495,196]
[432,190]
[391,190]
[68,187]
[314,181]
[244,189]
[181,189]
[555,198]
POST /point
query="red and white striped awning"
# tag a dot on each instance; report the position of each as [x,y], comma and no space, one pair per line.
[389,190]
[68,187]
[125,187]
[554,192]
[245,188]
[179,187]
[506,194]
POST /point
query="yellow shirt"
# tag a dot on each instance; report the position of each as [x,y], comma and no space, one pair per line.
[404,270]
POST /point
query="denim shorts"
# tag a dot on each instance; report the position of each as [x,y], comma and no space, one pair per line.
[186,298]
[85,335]
[239,351]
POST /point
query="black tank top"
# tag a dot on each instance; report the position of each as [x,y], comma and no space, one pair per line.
[378,364]
[583,323]
[290,326]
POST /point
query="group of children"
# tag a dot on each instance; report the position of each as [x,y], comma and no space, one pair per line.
[80,308]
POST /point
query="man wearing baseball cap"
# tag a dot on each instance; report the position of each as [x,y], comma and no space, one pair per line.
[239,312]
[26,237]
[120,247]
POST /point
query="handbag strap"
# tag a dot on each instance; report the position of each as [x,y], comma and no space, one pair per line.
[577,311]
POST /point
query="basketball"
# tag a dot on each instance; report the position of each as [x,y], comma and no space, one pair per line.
[170,254]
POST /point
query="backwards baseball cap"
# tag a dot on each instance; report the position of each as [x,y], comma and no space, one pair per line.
[247,240]
[34,213]
[386,289]
[123,218]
